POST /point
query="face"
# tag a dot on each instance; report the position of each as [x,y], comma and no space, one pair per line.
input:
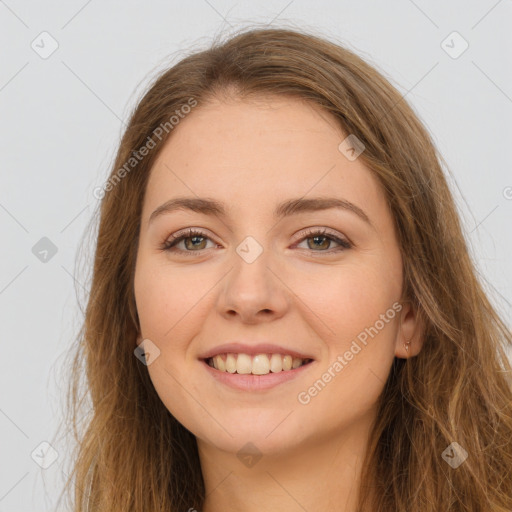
[318,279]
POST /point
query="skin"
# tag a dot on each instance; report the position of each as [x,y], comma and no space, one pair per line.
[251,155]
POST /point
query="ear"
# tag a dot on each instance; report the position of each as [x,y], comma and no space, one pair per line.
[139,339]
[410,331]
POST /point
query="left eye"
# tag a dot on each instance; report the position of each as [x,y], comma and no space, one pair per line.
[320,238]
[194,242]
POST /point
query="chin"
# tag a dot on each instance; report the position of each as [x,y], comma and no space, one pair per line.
[264,432]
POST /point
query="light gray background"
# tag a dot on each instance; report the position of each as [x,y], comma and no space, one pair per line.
[62,117]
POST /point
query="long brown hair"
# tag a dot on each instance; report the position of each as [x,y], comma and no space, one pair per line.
[132,454]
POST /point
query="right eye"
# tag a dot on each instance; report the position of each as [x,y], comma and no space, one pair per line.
[193,239]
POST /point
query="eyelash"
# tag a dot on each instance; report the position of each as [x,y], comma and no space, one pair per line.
[169,244]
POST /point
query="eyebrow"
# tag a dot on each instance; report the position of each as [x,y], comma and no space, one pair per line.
[286,208]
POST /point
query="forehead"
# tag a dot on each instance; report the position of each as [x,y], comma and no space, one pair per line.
[247,152]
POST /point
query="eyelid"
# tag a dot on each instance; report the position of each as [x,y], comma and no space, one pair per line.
[188,232]
[317,230]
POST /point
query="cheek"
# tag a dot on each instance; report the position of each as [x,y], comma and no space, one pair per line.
[347,299]
[167,301]
[357,320]
[164,296]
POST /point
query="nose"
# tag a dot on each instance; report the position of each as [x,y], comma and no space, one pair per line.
[253,292]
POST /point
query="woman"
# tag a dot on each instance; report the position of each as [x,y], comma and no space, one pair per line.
[283,312]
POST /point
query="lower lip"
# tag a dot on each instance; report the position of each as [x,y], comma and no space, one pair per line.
[249,382]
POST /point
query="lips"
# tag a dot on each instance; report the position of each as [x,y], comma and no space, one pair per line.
[250,383]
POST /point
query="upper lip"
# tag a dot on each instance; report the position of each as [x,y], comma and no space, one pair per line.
[252,350]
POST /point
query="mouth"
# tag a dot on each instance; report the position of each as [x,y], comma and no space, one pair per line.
[259,364]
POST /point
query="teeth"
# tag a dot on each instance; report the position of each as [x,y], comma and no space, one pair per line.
[276,363]
[220,364]
[260,364]
[230,363]
[243,364]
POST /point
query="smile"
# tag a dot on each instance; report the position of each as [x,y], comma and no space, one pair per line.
[228,372]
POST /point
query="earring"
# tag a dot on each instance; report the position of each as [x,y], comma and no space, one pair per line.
[406,345]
